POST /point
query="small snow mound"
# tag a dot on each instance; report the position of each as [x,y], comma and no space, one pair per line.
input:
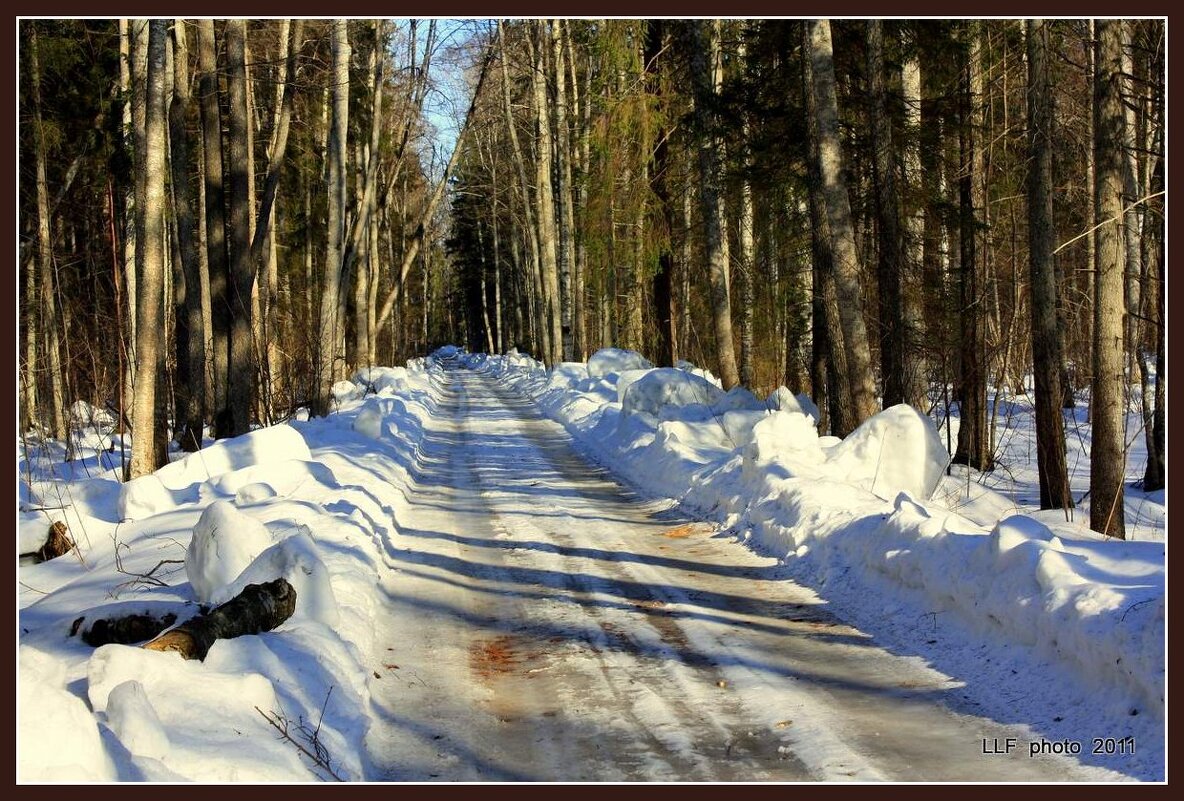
[623,381]
[143,497]
[369,421]
[896,450]
[787,439]
[59,739]
[254,493]
[382,380]
[738,399]
[615,360]
[667,387]
[703,373]
[345,391]
[297,560]
[134,720]
[782,400]
[566,375]
[225,541]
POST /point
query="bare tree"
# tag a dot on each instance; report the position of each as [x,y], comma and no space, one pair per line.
[1108,452]
[187,283]
[45,266]
[706,79]
[241,280]
[845,265]
[331,280]
[1046,355]
[973,446]
[150,249]
[215,223]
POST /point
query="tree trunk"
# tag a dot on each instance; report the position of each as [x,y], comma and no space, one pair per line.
[1107,453]
[707,78]
[259,607]
[215,209]
[150,246]
[916,382]
[126,47]
[889,248]
[973,447]
[336,163]
[191,356]
[746,265]
[546,201]
[45,266]
[1046,356]
[564,189]
[846,267]
[241,280]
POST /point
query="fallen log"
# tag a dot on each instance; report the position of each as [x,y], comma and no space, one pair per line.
[259,607]
[124,630]
[58,542]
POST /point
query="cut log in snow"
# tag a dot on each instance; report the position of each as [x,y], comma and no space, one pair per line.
[259,607]
[123,630]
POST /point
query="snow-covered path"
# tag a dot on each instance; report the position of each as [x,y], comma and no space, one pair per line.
[544,623]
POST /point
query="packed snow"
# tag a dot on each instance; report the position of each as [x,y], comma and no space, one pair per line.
[931,559]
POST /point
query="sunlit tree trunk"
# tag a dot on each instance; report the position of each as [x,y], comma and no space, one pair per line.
[1107,451]
[707,79]
[150,247]
[845,265]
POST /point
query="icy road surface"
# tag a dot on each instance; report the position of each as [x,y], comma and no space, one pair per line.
[545,624]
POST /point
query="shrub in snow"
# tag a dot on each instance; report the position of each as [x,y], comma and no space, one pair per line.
[134,720]
[225,541]
[897,450]
[297,560]
[666,387]
[615,360]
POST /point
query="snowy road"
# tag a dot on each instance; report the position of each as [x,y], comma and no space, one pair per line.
[544,623]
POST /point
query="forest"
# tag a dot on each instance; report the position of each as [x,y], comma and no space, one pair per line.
[219,219]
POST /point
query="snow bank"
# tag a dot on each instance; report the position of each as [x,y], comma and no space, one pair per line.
[659,391]
[177,482]
[874,518]
[57,736]
[607,361]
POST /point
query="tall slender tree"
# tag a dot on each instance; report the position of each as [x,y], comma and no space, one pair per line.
[1108,451]
[1046,356]
[706,80]
[845,257]
[150,250]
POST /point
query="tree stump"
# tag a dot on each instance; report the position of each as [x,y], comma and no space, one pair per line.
[59,542]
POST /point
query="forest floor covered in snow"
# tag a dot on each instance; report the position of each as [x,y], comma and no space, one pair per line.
[439,501]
